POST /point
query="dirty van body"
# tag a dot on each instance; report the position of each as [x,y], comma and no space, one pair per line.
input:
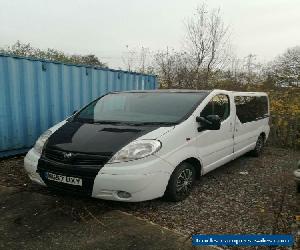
[141,145]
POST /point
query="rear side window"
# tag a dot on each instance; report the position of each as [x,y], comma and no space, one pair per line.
[251,108]
[218,105]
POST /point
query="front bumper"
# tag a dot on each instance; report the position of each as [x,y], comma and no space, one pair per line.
[143,179]
[30,164]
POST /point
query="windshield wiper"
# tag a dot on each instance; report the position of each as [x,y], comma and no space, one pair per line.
[133,123]
[154,123]
[108,122]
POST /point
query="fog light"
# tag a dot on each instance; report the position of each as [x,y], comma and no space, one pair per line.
[123,194]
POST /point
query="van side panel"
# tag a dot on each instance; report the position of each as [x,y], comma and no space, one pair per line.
[216,146]
[211,148]
[180,143]
[246,133]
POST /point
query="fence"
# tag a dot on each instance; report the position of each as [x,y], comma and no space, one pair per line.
[36,94]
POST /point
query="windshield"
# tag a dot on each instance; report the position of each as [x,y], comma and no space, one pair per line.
[141,107]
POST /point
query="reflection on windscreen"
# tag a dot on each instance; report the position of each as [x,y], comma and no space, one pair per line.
[141,107]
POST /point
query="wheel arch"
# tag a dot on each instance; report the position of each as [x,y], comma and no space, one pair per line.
[263,134]
[196,163]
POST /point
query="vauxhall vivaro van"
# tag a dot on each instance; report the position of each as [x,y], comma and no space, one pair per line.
[140,145]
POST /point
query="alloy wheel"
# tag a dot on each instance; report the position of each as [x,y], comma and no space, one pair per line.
[184,182]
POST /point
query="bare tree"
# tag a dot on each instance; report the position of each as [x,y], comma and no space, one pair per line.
[137,59]
[235,69]
[252,69]
[143,59]
[165,67]
[129,59]
[206,43]
[285,69]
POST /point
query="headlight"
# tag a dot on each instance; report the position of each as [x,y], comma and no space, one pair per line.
[41,141]
[136,150]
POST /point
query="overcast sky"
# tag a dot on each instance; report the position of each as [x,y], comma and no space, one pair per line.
[104,27]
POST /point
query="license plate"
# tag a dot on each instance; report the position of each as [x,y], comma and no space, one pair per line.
[64,179]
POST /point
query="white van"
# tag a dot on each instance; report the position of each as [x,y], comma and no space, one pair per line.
[140,145]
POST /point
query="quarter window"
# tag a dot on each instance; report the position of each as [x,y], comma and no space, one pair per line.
[251,108]
[218,105]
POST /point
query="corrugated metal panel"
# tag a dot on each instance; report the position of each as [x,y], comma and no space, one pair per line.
[34,95]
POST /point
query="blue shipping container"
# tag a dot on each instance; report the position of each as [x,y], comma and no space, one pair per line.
[36,94]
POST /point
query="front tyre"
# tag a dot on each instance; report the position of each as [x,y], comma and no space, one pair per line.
[260,143]
[181,182]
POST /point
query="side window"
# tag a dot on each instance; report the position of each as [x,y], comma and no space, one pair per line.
[218,105]
[262,106]
[251,108]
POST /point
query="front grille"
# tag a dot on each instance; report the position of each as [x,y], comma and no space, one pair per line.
[86,173]
[76,158]
[84,166]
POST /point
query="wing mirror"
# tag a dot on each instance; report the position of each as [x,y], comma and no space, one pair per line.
[210,122]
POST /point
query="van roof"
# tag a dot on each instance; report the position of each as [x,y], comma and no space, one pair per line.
[191,91]
[167,91]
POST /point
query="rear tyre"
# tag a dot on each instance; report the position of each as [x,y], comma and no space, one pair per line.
[181,182]
[298,187]
[260,143]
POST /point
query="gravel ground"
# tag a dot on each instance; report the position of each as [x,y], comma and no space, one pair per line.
[248,195]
